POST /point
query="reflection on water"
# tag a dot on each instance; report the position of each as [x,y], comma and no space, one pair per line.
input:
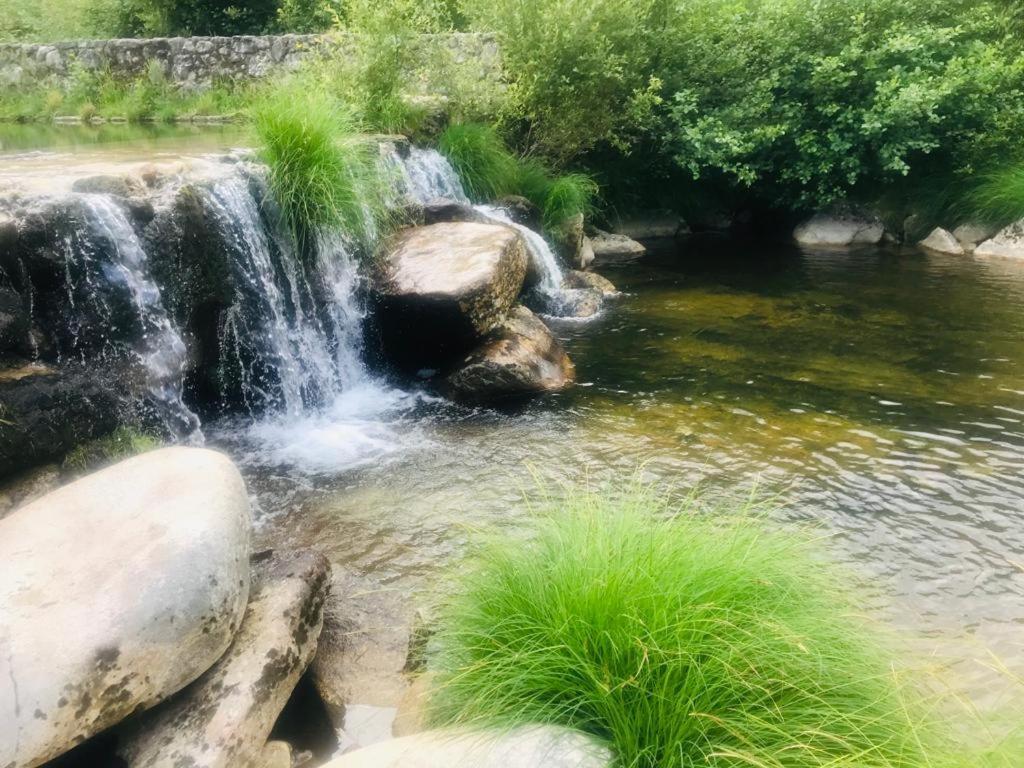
[879,394]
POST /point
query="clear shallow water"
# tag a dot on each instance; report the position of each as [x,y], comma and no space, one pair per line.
[879,394]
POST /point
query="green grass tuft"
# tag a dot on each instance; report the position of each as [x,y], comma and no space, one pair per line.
[568,196]
[322,174]
[998,197]
[124,442]
[485,166]
[684,640]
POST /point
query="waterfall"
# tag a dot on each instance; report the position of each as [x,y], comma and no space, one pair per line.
[292,335]
[123,265]
[541,255]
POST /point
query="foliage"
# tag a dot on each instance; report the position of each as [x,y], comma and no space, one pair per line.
[683,639]
[122,443]
[998,196]
[322,175]
[569,195]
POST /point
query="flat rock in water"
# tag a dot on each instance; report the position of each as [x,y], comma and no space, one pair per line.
[443,287]
[521,358]
[942,241]
[840,229]
[117,591]
[224,718]
[970,235]
[611,249]
[525,747]
[1008,243]
[592,280]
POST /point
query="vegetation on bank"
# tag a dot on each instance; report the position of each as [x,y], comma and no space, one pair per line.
[699,106]
[684,640]
[123,443]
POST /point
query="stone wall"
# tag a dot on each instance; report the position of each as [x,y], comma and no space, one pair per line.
[197,62]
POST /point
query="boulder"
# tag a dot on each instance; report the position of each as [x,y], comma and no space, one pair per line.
[569,240]
[577,279]
[970,235]
[521,211]
[446,211]
[587,255]
[1008,243]
[613,249]
[225,717]
[441,288]
[840,228]
[45,411]
[520,358]
[14,324]
[576,303]
[942,241]
[523,747]
[28,486]
[653,225]
[117,591]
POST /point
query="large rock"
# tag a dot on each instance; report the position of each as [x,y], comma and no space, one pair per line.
[1008,243]
[116,591]
[942,241]
[570,242]
[524,747]
[521,358]
[613,249]
[225,717]
[592,280]
[14,323]
[840,228]
[447,211]
[970,235]
[46,411]
[442,288]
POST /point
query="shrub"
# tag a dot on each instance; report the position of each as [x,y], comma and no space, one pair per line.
[998,197]
[569,195]
[682,639]
[322,175]
[484,164]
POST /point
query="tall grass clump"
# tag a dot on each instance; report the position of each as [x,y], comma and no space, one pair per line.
[484,164]
[322,175]
[998,197]
[569,195]
[681,639]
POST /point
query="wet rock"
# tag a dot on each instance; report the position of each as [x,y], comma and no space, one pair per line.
[225,717]
[521,211]
[577,303]
[942,241]
[520,358]
[445,211]
[592,280]
[843,227]
[1008,243]
[441,288]
[569,240]
[615,249]
[587,255]
[363,647]
[14,323]
[524,747]
[653,225]
[971,235]
[276,754]
[117,591]
[46,411]
[28,486]
[122,186]
[412,716]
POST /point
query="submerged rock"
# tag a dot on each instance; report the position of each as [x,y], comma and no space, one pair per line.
[942,241]
[524,747]
[577,279]
[117,591]
[1008,243]
[612,249]
[443,287]
[224,718]
[521,357]
[840,228]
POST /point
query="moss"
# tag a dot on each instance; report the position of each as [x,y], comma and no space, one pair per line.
[122,443]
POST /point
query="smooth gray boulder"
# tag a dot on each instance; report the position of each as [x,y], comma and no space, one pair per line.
[942,241]
[441,288]
[842,228]
[117,591]
[970,235]
[521,358]
[612,249]
[1008,243]
[225,717]
[524,747]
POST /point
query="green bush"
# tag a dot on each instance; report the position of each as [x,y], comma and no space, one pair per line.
[569,195]
[683,639]
[997,197]
[322,174]
[484,164]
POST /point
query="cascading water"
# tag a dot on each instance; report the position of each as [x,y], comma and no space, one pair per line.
[111,266]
